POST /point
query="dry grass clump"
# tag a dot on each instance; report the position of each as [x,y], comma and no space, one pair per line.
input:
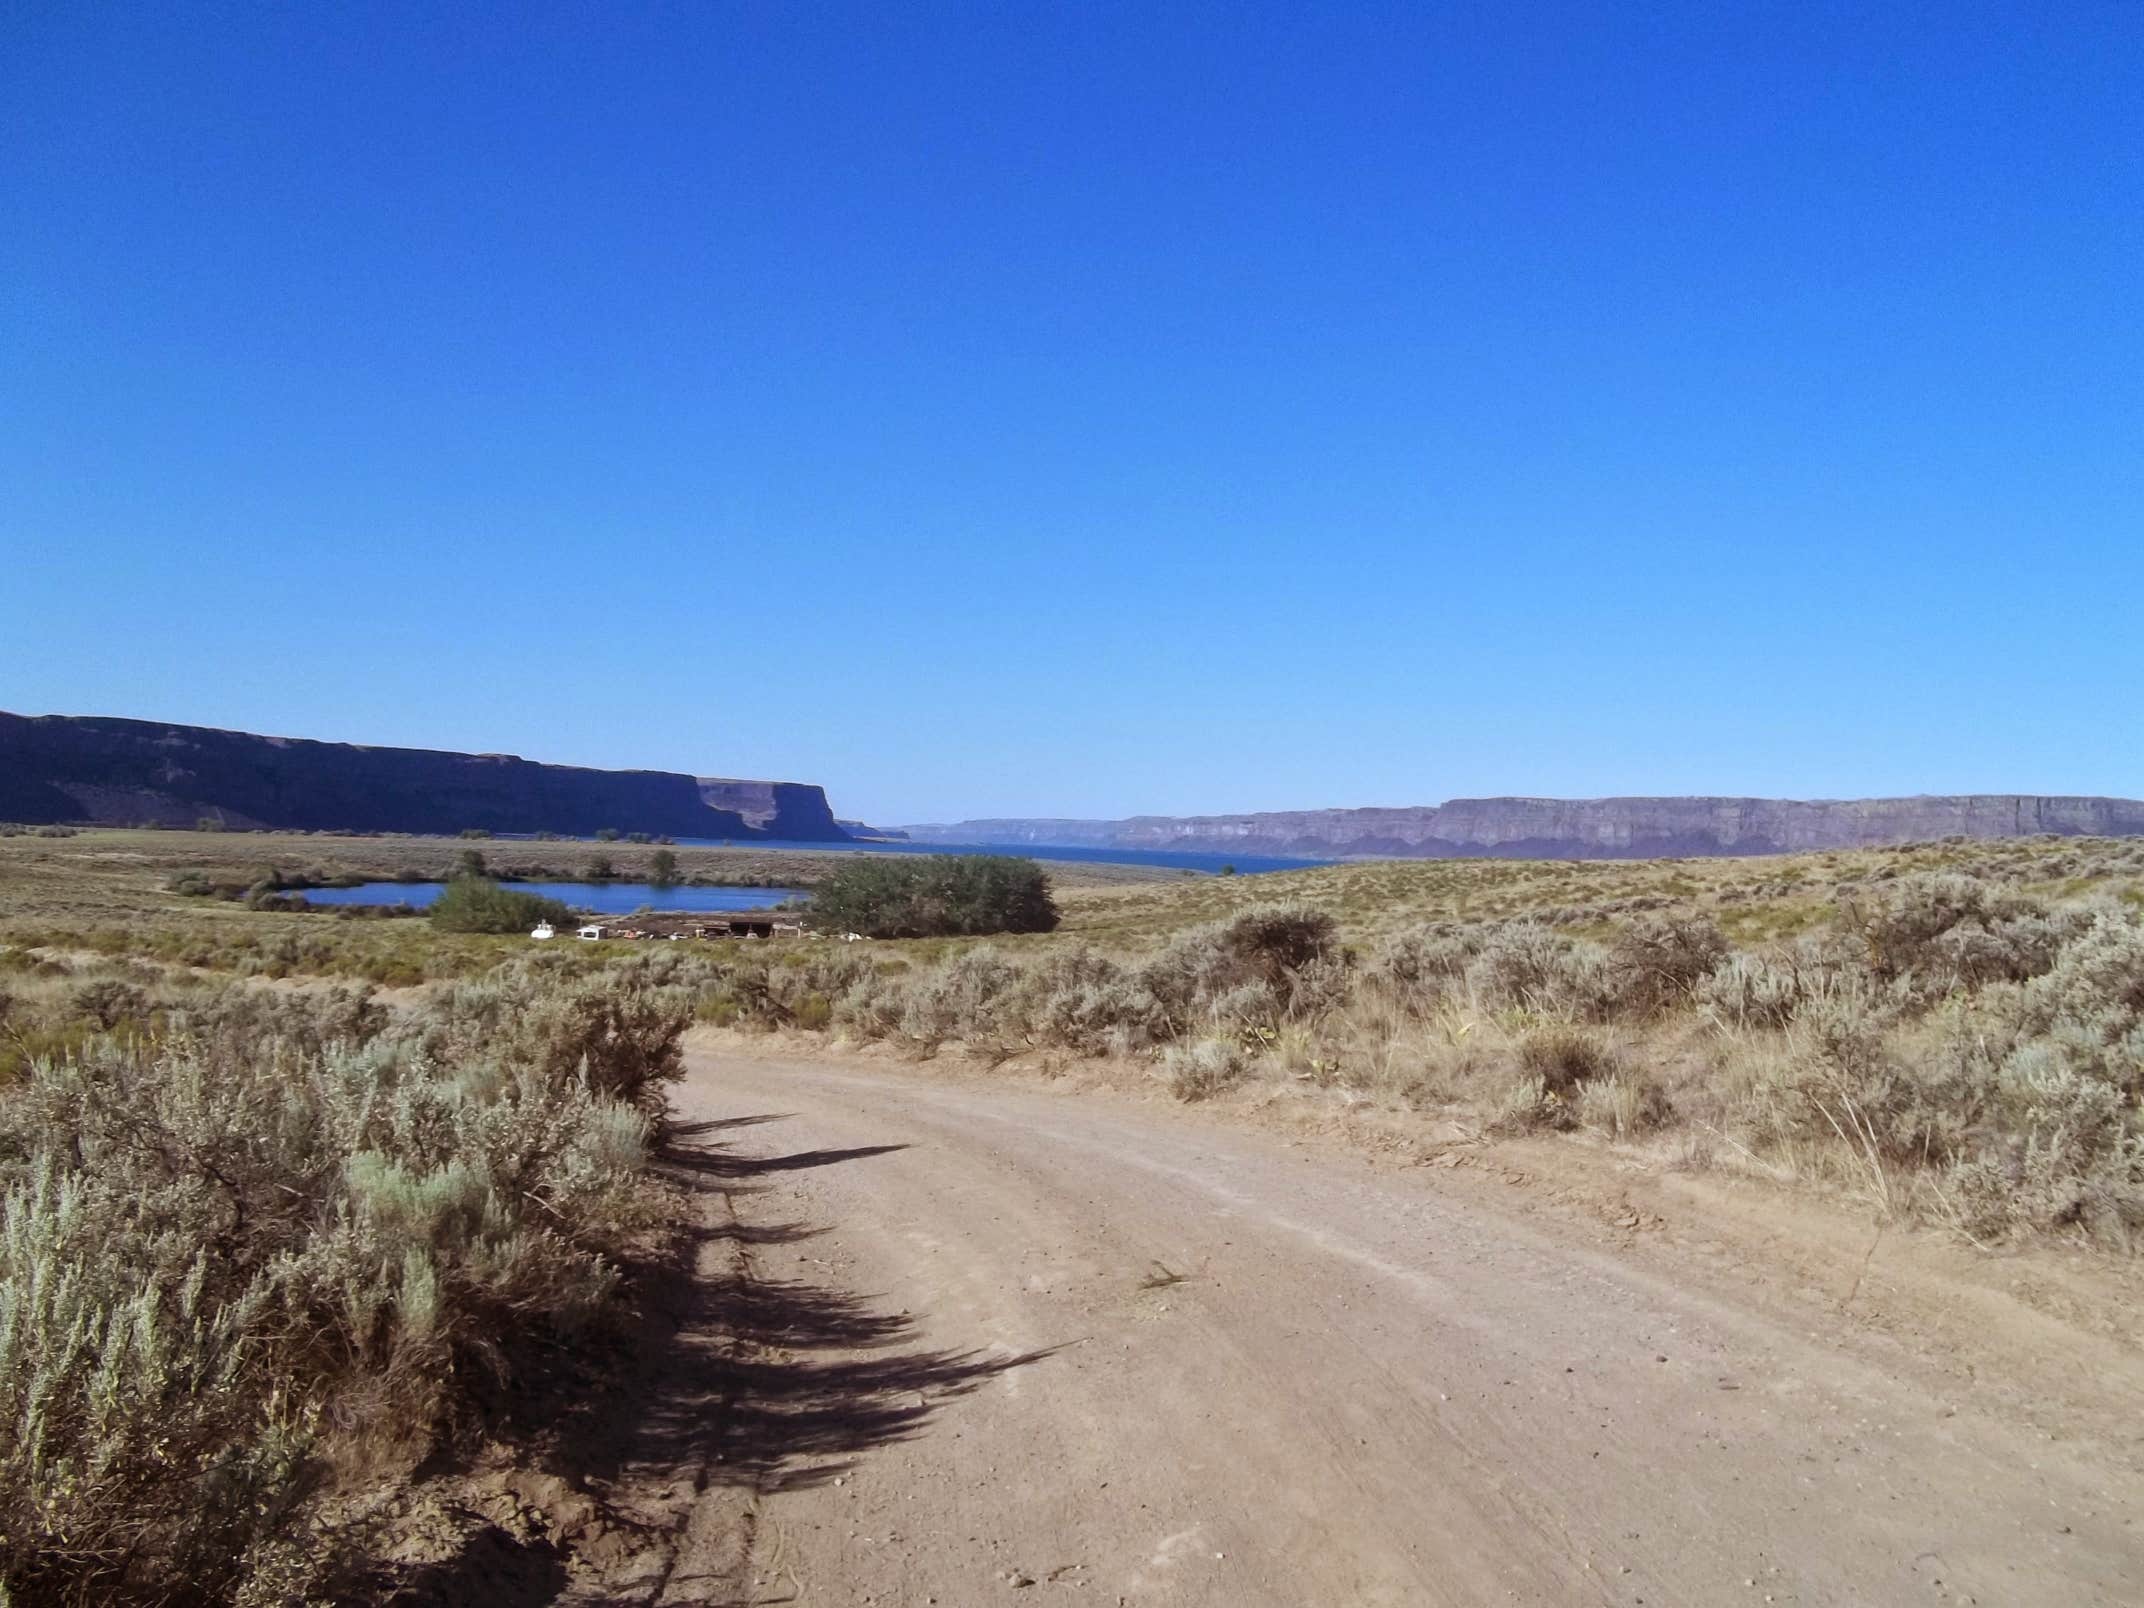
[1200,1068]
[1627,1105]
[1570,1076]
[1565,1059]
[239,1219]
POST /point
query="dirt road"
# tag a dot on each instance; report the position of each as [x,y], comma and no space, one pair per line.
[1002,1345]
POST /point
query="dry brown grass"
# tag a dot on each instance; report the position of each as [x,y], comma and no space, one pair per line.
[1754,900]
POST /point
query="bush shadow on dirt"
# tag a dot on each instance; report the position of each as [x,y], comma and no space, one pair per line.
[781,1391]
[725,1376]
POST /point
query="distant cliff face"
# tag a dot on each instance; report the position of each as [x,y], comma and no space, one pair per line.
[1578,829]
[790,810]
[62,768]
[862,829]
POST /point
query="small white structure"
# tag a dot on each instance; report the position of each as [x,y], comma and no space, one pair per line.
[590,932]
[544,930]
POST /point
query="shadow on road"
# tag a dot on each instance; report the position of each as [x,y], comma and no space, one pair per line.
[755,1166]
[690,1153]
[801,1410]
[492,1568]
[723,1378]
[777,1384]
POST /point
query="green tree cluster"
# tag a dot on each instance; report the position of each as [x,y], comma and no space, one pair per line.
[476,904]
[935,896]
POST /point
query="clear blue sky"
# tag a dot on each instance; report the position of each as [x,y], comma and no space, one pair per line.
[1091,409]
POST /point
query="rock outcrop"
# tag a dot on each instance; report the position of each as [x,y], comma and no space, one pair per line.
[791,810]
[1577,829]
[94,770]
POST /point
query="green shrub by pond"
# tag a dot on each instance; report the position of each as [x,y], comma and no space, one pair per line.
[935,896]
[476,904]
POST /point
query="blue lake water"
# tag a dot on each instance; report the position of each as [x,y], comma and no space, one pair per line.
[606,898]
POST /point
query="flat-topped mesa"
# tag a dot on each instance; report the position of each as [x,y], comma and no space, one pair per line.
[1578,829]
[78,769]
[791,810]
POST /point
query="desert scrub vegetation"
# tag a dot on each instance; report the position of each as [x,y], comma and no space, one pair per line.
[232,1220]
[1200,1068]
[1938,1028]
[1244,978]
[1954,1033]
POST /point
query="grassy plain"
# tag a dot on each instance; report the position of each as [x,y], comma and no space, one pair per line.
[1952,1031]
[1755,899]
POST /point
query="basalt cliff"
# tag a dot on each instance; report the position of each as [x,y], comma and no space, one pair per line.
[1577,828]
[76,769]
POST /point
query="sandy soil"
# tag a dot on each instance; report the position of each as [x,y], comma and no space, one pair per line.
[962,1341]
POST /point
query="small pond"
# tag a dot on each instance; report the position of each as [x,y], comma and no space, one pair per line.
[605,898]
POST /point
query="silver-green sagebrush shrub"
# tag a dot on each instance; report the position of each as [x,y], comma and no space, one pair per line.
[2092,1000]
[2063,1143]
[770,995]
[1291,952]
[1104,1016]
[1526,965]
[127,1429]
[210,1243]
[1421,969]
[1746,991]
[966,998]
[1658,961]
[1080,1000]
[871,1007]
[1948,931]
[618,1031]
[1843,1077]
[1202,1068]
[2068,1153]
